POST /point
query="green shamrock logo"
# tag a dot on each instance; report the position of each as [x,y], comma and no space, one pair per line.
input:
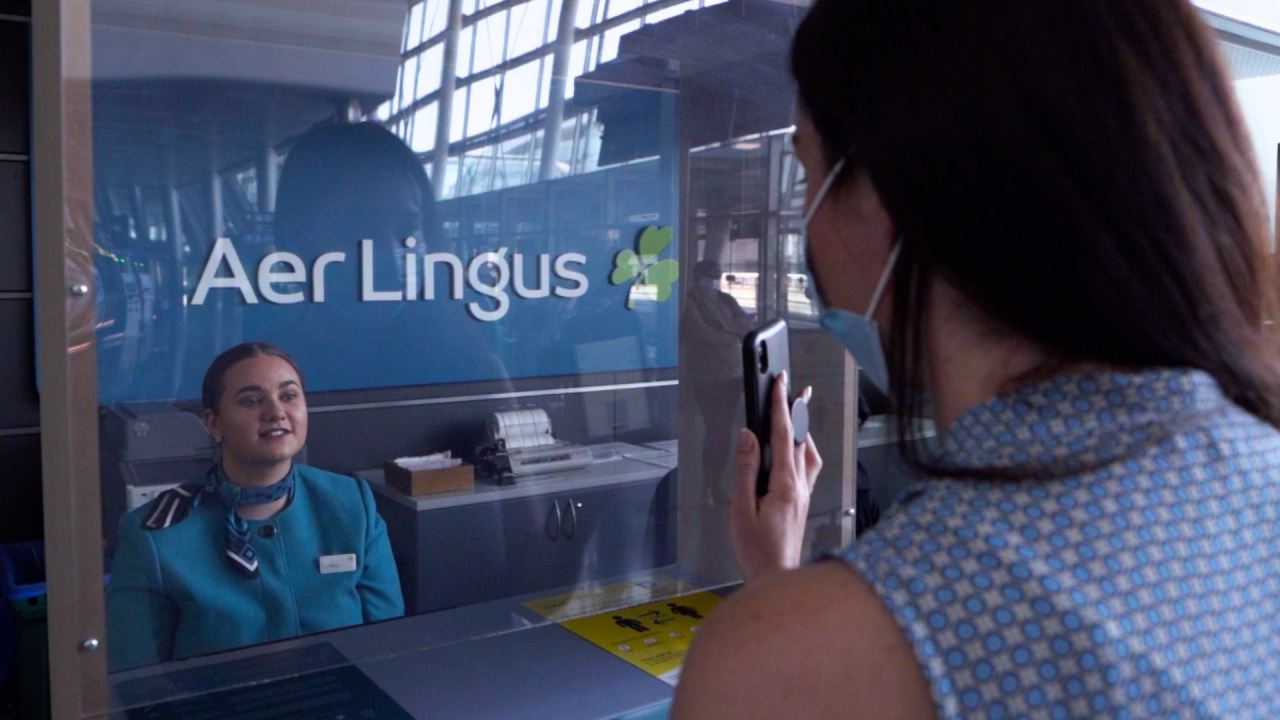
[655,276]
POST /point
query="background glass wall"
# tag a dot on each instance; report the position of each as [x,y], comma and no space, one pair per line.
[500,89]
[1256,73]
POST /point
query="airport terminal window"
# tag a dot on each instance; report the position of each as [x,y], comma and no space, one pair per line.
[500,313]
[1256,73]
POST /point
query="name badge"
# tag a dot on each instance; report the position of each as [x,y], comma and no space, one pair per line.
[337,563]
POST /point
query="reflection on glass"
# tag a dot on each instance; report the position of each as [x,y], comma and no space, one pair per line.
[500,267]
[477,257]
[257,548]
[712,325]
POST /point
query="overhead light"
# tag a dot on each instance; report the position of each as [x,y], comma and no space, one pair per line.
[747,145]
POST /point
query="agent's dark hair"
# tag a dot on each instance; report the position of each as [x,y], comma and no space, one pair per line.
[1076,168]
[706,270]
[327,162]
[212,387]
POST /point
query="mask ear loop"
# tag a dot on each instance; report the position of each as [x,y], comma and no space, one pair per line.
[884,278]
[823,190]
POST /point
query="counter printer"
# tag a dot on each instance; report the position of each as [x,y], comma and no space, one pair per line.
[521,443]
[148,448]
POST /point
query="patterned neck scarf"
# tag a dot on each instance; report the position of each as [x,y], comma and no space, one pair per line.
[239,548]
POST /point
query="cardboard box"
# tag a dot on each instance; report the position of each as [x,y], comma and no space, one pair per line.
[425,482]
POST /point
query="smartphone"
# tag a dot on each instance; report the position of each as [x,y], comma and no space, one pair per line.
[765,354]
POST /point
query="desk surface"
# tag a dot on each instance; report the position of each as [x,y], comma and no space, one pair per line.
[496,659]
[540,672]
[614,463]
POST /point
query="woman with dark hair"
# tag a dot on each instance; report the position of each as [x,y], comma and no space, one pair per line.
[343,184]
[1052,209]
[258,548]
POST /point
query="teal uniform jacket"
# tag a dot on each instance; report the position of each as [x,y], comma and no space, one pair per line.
[174,593]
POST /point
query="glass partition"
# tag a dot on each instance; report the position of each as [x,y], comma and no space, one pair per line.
[493,262]
[502,256]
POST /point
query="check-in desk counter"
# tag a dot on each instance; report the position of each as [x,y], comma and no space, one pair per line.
[461,548]
[494,660]
[485,657]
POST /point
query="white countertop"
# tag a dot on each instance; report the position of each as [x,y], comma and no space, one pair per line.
[614,463]
[661,453]
[670,446]
[881,430]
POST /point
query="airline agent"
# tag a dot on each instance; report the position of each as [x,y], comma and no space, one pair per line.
[257,548]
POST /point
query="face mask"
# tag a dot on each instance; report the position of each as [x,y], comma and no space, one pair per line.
[859,334]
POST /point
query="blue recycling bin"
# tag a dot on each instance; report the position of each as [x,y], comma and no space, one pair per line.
[24,629]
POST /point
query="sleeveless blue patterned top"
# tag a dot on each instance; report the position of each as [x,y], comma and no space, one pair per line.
[1132,572]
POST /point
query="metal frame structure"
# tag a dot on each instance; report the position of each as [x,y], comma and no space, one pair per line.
[559,35]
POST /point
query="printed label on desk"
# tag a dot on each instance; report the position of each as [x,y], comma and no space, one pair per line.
[585,601]
[654,637]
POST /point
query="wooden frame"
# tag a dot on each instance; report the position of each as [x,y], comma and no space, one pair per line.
[62,162]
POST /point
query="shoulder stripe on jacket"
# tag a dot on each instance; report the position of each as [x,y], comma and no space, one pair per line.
[172,506]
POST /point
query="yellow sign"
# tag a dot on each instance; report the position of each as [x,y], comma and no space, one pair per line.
[654,637]
[585,601]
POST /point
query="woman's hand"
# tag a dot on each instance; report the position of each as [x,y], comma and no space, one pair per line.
[768,531]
